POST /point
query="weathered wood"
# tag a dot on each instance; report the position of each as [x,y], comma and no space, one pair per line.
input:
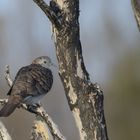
[84,98]
[48,11]
[40,131]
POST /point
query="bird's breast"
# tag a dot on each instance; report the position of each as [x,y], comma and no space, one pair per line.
[30,100]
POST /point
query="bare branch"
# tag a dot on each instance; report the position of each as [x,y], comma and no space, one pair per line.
[4,135]
[7,76]
[49,12]
[52,126]
[40,111]
[42,114]
[3,101]
[40,131]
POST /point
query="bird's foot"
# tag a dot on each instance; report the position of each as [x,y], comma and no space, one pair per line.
[38,104]
[32,108]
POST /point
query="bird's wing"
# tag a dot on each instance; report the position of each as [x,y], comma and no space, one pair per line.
[32,80]
[20,76]
[43,79]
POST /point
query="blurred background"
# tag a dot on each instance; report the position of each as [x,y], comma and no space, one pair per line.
[111,50]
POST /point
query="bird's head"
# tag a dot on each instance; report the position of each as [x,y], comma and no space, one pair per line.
[44,61]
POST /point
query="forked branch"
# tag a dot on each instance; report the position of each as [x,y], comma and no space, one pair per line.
[84,98]
[48,12]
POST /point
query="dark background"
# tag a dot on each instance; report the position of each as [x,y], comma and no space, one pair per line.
[110,41]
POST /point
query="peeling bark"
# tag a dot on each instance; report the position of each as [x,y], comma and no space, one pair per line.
[84,98]
[40,131]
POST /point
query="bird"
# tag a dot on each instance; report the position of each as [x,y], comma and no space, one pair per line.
[31,83]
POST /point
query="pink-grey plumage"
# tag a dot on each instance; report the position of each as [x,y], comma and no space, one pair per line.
[30,84]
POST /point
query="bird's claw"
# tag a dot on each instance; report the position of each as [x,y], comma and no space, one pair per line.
[32,108]
[38,104]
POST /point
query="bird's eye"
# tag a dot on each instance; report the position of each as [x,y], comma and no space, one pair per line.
[45,62]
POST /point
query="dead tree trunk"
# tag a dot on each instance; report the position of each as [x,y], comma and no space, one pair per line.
[84,98]
[136,9]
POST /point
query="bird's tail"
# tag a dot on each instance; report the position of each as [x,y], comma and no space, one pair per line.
[9,107]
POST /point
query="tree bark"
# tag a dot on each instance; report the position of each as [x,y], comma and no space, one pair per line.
[40,131]
[84,98]
[136,9]
[4,135]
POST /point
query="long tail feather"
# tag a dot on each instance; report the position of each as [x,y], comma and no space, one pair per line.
[9,107]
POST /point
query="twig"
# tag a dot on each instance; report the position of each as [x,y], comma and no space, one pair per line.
[4,135]
[3,101]
[49,12]
[7,76]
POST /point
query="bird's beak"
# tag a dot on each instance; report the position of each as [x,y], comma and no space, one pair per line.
[52,64]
